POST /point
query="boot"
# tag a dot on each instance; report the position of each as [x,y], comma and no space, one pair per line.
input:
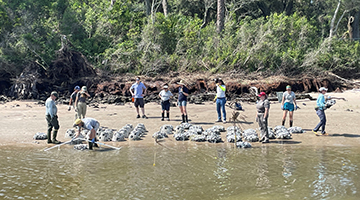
[90,146]
[186,119]
[168,116]
[96,145]
[291,123]
[183,118]
[162,116]
[283,122]
[49,136]
[54,137]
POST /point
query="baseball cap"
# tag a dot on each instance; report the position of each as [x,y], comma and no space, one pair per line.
[262,94]
[55,94]
[322,89]
[77,87]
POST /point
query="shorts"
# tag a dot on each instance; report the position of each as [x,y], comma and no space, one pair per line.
[182,103]
[139,102]
[165,105]
[289,106]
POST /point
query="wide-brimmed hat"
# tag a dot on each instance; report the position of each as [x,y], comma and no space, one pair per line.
[55,94]
[77,122]
[182,82]
[262,94]
[84,88]
[323,89]
[77,87]
[165,86]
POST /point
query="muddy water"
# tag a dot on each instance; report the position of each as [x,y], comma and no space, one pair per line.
[181,172]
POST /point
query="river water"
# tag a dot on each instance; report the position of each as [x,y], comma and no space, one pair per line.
[181,172]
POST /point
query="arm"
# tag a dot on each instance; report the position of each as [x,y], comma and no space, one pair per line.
[283,100]
[144,92]
[221,87]
[339,98]
[266,112]
[76,100]
[70,102]
[78,133]
[132,94]
[87,94]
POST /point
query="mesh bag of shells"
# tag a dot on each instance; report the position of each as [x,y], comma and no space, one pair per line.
[295,129]
[233,133]
[250,135]
[243,145]
[138,132]
[282,132]
[40,136]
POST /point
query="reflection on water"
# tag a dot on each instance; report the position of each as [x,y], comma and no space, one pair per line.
[181,172]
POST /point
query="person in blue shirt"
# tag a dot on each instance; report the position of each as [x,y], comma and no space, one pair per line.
[52,118]
[182,100]
[139,93]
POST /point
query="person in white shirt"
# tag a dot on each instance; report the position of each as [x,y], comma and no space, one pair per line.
[165,96]
[288,104]
[220,100]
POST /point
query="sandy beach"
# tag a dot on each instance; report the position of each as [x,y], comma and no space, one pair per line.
[20,120]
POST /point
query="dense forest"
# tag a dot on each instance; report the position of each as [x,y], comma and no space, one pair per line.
[150,37]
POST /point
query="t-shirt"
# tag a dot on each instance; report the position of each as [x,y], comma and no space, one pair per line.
[220,91]
[165,95]
[81,97]
[289,98]
[51,108]
[90,123]
[261,105]
[138,89]
[182,97]
[73,96]
[320,102]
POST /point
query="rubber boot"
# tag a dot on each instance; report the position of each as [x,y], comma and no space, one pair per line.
[90,146]
[283,122]
[54,137]
[49,136]
[96,145]
[162,116]
[183,118]
[291,123]
[186,119]
[168,116]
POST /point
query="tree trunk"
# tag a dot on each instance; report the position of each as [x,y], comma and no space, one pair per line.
[148,7]
[112,3]
[332,23]
[165,7]
[289,7]
[355,26]
[220,15]
[264,8]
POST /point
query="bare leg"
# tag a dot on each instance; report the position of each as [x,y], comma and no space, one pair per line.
[291,115]
[137,110]
[142,110]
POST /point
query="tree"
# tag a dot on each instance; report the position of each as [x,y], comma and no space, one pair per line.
[220,16]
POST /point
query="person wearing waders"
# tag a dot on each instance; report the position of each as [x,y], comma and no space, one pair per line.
[52,118]
[72,100]
[182,100]
[262,115]
[80,102]
[287,105]
[91,125]
[165,96]
[139,93]
[220,100]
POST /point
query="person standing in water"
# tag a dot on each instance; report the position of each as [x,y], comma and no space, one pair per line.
[73,99]
[182,100]
[80,102]
[220,100]
[262,115]
[52,118]
[165,96]
[287,104]
[139,93]
[91,125]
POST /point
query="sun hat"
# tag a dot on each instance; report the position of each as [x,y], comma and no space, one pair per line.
[165,86]
[55,94]
[322,89]
[182,82]
[262,94]
[287,87]
[77,87]
[84,88]
[77,122]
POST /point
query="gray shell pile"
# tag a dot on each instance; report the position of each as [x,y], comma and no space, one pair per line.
[118,136]
[213,138]
[105,135]
[198,138]
[250,135]
[80,147]
[181,136]
[40,136]
[185,125]
[330,103]
[243,145]
[219,128]
[211,131]
[271,133]
[295,130]
[138,132]
[282,133]
[159,135]
[70,133]
[233,131]
[179,129]
[168,129]
[126,130]
[196,129]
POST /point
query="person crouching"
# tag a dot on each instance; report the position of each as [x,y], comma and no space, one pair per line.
[165,96]
[89,124]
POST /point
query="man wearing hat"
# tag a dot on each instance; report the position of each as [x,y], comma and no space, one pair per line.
[182,100]
[139,93]
[52,118]
[165,96]
[90,124]
[73,98]
[80,102]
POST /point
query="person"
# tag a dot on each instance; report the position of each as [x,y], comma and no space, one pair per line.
[80,102]
[90,124]
[220,100]
[165,96]
[182,100]
[73,98]
[262,116]
[287,104]
[52,118]
[139,93]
